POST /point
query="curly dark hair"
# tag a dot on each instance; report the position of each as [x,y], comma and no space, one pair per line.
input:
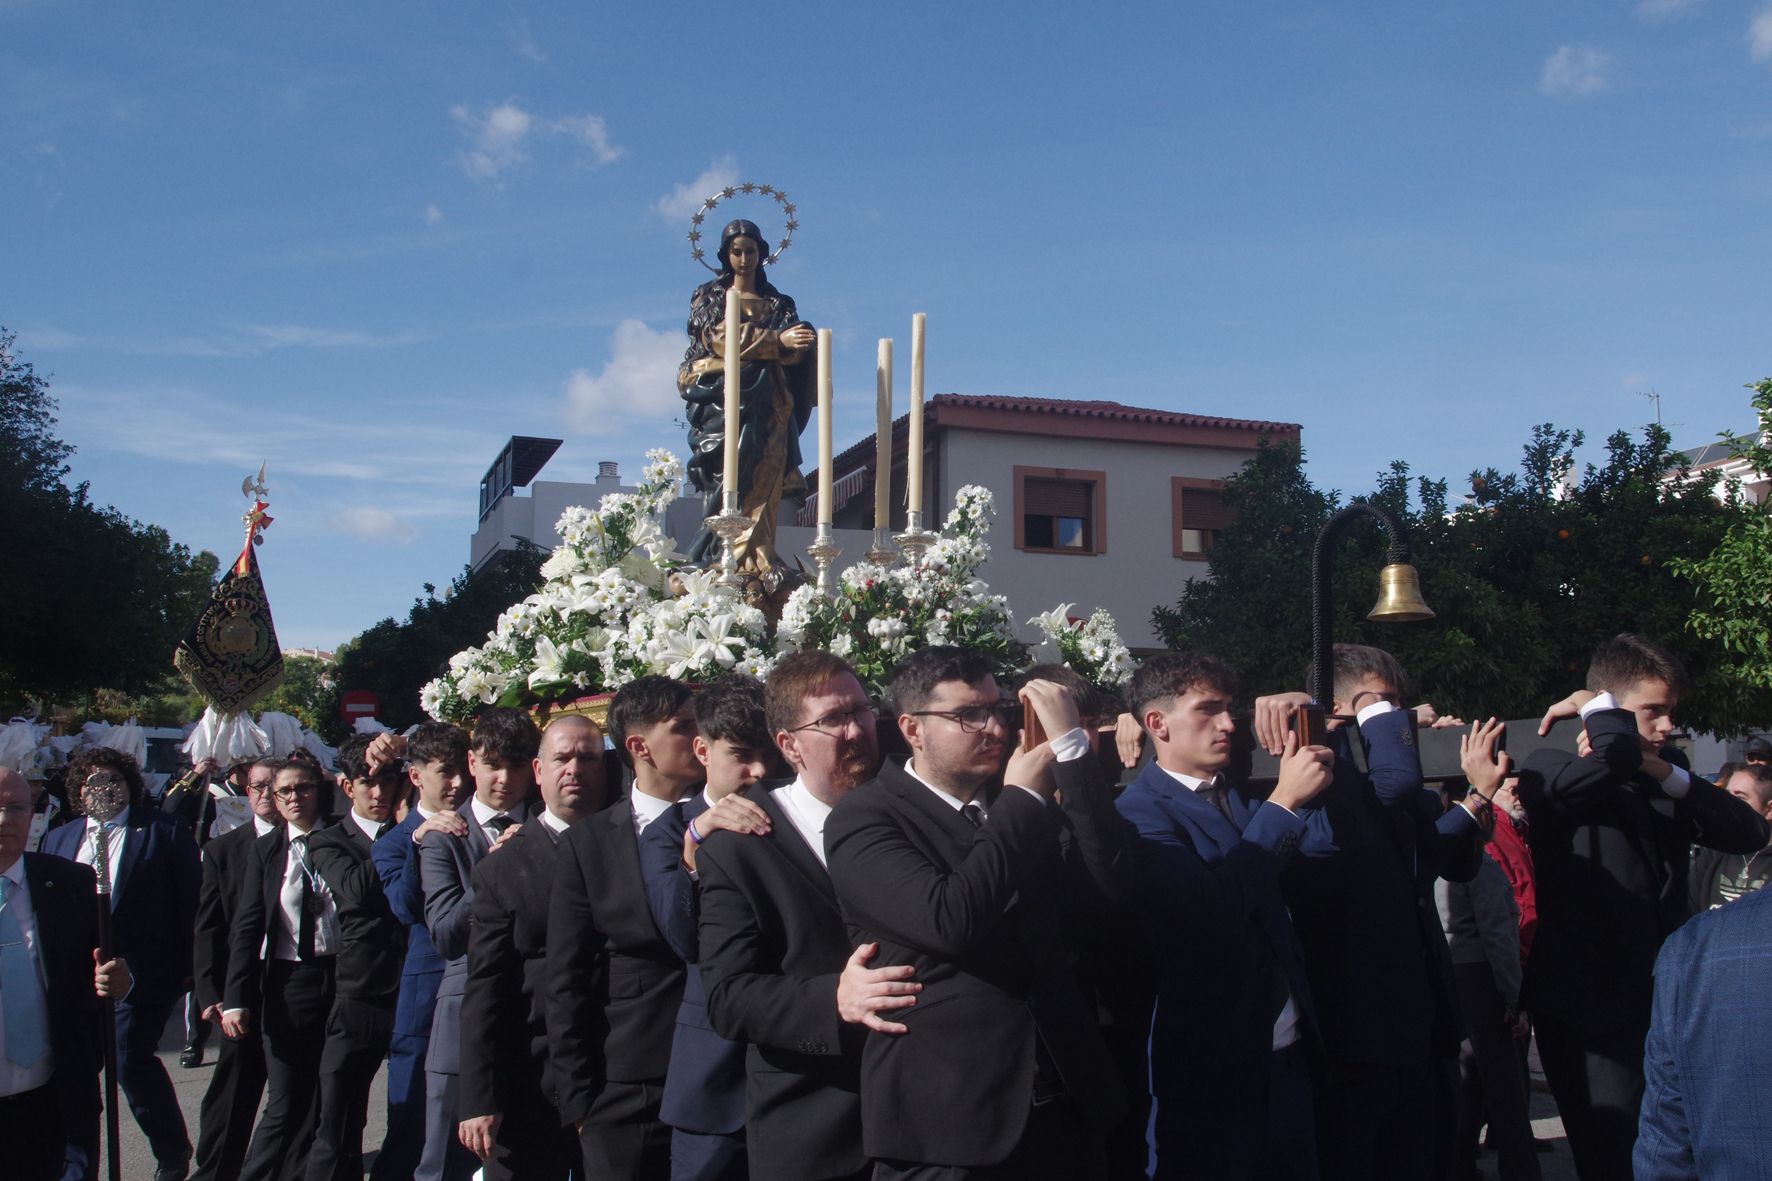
[438,742]
[83,762]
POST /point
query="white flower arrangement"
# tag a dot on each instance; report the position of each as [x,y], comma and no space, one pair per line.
[1092,647]
[882,613]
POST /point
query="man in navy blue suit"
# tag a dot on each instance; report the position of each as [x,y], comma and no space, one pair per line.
[437,762]
[704,1090]
[155,875]
[1705,1064]
[1233,1015]
[1362,904]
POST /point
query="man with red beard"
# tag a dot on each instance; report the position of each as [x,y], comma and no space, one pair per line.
[780,971]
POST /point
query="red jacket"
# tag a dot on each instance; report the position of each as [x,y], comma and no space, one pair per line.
[1508,846]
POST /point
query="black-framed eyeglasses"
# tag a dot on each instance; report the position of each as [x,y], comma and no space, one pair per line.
[974,718]
[838,720]
[296,791]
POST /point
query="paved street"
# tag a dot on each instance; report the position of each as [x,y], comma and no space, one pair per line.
[138,1163]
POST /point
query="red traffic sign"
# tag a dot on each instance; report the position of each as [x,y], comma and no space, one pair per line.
[358,703]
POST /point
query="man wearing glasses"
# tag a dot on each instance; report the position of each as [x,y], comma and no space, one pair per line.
[286,908]
[978,876]
[225,1121]
[780,971]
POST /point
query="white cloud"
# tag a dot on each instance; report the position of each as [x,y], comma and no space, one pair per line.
[590,131]
[638,384]
[500,139]
[524,42]
[685,199]
[1664,9]
[434,215]
[1574,69]
[1759,35]
[372,524]
[496,139]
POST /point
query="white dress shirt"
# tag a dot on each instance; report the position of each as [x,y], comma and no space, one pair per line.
[116,832]
[14,1079]
[807,813]
[282,937]
[646,809]
[483,817]
[554,823]
[371,828]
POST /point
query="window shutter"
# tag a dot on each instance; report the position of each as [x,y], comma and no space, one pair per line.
[1204,508]
[1056,498]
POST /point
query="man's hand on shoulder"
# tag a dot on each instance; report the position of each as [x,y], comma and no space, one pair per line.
[863,993]
[444,822]
[504,836]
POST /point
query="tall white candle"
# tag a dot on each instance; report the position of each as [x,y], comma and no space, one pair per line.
[730,458]
[824,426]
[883,438]
[913,480]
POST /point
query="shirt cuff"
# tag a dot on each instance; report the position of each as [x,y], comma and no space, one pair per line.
[1032,792]
[1369,712]
[1072,744]
[1601,701]
[231,1012]
[1677,783]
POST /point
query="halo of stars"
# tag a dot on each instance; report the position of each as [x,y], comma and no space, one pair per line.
[746,189]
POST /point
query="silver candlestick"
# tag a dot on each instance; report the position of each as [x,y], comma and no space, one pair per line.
[824,551]
[882,552]
[915,539]
[728,526]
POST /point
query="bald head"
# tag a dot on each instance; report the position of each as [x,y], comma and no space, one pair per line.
[569,768]
[15,816]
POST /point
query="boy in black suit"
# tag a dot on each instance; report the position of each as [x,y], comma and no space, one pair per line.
[372,949]
[1612,828]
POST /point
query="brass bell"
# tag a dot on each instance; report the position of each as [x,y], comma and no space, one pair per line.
[1399,596]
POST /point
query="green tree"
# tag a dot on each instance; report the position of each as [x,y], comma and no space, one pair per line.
[1733,582]
[307,691]
[394,659]
[91,598]
[1526,576]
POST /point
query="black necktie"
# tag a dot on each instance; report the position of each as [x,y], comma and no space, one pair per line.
[386,827]
[974,815]
[1215,792]
[498,824]
[310,902]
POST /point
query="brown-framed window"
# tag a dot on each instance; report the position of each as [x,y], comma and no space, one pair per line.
[1060,510]
[1199,514]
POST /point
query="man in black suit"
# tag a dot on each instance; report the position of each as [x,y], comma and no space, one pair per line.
[51,992]
[613,984]
[704,1089]
[224,1122]
[1611,833]
[372,949]
[968,870]
[1362,902]
[287,908]
[501,762]
[778,968]
[155,872]
[506,1093]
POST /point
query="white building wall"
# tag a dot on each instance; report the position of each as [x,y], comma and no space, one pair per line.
[1137,572]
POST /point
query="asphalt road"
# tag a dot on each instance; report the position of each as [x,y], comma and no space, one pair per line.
[138,1162]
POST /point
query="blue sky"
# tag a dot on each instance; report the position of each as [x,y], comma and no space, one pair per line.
[366,243]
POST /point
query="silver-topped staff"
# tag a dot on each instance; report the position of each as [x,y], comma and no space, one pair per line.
[103,798]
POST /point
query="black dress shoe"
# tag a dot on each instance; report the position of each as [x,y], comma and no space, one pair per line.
[173,1172]
[189,1057]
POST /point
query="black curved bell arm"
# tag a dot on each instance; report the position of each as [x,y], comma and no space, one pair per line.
[1399,598]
